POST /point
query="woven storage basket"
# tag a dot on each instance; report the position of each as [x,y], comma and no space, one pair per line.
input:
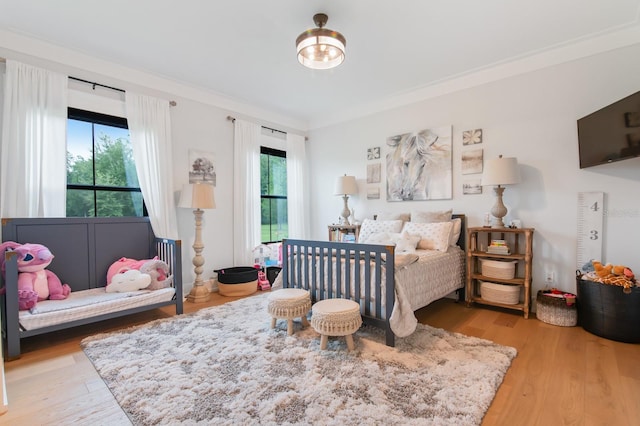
[555,311]
[505,270]
[500,293]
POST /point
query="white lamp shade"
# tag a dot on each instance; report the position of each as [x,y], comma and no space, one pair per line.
[197,196]
[501,171]
[346,185]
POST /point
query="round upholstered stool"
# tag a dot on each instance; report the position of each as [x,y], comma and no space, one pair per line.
[289,303]
[336,317]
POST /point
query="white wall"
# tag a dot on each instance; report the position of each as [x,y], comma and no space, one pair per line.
[532,117]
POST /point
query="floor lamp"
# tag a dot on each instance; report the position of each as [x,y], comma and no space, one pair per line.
[198,196]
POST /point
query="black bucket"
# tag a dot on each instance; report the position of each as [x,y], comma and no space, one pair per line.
[607,311]
[237,275]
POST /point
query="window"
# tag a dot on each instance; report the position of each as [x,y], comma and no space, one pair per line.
[273,194]
[101,173]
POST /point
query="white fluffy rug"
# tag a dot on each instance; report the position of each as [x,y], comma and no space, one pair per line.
[225,366]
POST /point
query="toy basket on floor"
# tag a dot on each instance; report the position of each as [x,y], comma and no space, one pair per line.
[555,310]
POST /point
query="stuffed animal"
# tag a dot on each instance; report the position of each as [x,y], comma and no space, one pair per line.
[35,283]
[155,268]
[131,280]
[615,275]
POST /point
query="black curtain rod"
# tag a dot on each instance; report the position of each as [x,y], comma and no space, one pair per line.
[232,119]
[94,84]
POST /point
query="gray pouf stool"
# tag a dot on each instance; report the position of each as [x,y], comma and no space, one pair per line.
[336,317]
[289,303]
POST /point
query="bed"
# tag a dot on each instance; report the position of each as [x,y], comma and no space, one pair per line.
[388,285]
[84,248]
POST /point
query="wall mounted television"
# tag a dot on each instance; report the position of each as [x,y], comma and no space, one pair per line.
[611,133]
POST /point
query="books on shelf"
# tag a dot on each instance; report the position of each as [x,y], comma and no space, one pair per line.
[498,247]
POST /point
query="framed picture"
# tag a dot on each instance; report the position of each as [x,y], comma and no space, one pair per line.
[419,165]
[202,167]
[373,173]
[472,161]
[472,186]
[472,137]
[632,119]
[373,193]
[373,153]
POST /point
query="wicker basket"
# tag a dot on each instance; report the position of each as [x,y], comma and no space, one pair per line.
[505,270]
[555,311]
[500,293]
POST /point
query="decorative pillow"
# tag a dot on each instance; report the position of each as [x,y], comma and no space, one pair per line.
[455,231]
[433,236]
[407,243]
[405,217]
[373,226]
[430,217]
[378,238]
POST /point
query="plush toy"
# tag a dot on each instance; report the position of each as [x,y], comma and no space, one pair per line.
[131,280]
[615,275]
[155,268]
[35,283]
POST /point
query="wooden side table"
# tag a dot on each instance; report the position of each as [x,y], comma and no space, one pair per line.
[338,232]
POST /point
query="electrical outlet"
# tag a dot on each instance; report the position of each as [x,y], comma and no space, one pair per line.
[548,278]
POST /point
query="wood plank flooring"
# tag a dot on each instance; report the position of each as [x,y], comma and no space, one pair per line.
[561,376]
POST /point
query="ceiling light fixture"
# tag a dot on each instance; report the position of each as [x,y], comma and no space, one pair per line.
[320,48]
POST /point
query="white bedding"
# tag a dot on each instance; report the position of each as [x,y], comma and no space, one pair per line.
[89,303]
[419,280]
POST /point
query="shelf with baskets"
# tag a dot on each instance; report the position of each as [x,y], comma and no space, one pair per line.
[344,233]
[495,279]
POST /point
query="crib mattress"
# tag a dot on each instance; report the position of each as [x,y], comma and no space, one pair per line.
[89,303]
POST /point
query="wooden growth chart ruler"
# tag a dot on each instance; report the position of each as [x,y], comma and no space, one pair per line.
[590,224]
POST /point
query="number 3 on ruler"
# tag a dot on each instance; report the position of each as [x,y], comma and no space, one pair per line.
[590,221]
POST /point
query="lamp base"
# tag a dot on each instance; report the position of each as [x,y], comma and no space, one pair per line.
[198,294]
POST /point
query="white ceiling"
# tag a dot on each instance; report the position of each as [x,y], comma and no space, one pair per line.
[245,49]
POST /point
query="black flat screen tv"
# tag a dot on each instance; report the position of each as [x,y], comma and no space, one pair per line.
[611,133]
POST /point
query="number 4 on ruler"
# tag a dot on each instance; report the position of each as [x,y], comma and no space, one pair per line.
[590,219]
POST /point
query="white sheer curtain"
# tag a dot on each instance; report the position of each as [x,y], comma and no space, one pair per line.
[33,177]
[297,194]
[246,191]
[150,128]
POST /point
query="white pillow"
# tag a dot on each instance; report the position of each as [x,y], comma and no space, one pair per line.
[373,226]
[407,243]
[430,217]
[455,231]
[378,238]
[433,236]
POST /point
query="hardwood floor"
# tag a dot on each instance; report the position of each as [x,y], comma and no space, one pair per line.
[561,376]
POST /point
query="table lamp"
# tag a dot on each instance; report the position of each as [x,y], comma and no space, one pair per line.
[499,172]
[345,186]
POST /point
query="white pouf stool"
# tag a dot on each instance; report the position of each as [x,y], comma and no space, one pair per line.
[336,317]
[289,303]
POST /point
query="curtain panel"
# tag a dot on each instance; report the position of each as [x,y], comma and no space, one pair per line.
[150,128]
[297,193]
[246,191]
[33,176]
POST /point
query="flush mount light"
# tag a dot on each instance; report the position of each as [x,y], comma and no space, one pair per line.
[320,48]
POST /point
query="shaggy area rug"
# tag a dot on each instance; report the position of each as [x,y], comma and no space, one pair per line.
[224,365]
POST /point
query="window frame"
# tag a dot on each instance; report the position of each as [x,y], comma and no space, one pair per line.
[275,153]
[105,120]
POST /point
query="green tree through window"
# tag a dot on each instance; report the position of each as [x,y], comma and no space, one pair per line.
[101,173]
[273,195]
